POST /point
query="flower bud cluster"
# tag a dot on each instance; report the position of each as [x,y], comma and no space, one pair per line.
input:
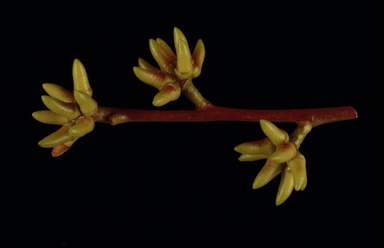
[176,70]
[72,110]
[282,155]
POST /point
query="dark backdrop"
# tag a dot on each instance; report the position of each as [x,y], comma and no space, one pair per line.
[180,184]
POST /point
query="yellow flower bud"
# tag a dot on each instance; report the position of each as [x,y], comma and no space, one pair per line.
[167,49]
[178,35]
[251,157]
[68,110]
[152,78]
[285,186]
[163,59]
[275,134]
[146,66]
[57,138]
[299,172]
[49,117]
[284,152]
[198,56]
[267,173]
[184,66]
[87,104]
[261,147]
[84,125]
[58,92]
[80,78]
[169,93]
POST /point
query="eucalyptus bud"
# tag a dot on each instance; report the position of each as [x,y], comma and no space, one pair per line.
[59,137]
[285,186]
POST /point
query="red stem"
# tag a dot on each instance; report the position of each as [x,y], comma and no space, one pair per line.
[211,112]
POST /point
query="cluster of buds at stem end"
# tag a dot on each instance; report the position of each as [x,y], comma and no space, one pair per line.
[176,70]
[71,110]
[281,152]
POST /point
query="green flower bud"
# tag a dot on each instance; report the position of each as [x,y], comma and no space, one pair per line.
[285,186]
[58,92]
[80,78]
[84,125]
[169,93]
[49,117]
[57,138]
[261,147]
[87,104]
[284,152]
[68,110]
[269,171]
[275,134]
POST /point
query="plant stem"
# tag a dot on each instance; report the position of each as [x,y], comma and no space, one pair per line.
[211,112]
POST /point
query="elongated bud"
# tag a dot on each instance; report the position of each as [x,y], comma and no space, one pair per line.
[251,157]
[198,56]
[262,147]
[161,56]
[167,49]
[184,60]
[284,152]
[57,138]
[87,104]
[178,35]
[275,134]
[146,66]
[68,110]
[285,187]
[84,125]
[299,172]
[269,171]
[58,92]
[80,78]
[169,93]
[152,78]
[49,117]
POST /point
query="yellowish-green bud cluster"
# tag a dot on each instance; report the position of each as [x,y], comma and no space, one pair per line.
[282,156]
[175,69]
[72,110]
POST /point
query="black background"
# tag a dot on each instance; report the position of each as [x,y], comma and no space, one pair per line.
[180,184]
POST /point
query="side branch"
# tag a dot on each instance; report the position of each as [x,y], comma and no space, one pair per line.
[211,113]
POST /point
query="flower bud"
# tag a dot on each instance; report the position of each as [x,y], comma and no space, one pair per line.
[68,110]
[169,93]
[146,66]
[49,117]
[184,66]
[152,78]
[299,172]
[177,36]
[84,125]
[284,152]
[267,173]
[57,138]
[261,147]
[167,49]
[275,134]
[285,186]
[80,78]
[163,59]
[251,157]
[87,104]
[58,92]
[198,56]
